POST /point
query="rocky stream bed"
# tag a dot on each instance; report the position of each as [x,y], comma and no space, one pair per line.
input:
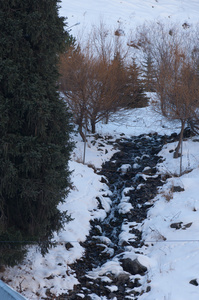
[132,178]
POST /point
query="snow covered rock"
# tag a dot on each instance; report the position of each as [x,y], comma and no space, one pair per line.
[133,266]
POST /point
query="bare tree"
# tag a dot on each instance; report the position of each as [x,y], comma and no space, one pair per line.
[178,90]
[97,79]
[74,70]
[92,87]
[176,85]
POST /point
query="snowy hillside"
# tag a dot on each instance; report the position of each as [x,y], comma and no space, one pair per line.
[126,14]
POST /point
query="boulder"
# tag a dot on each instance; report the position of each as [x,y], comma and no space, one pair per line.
[133,266]
[194,282]
[178,189]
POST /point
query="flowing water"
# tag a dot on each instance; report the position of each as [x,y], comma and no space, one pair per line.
[133,180]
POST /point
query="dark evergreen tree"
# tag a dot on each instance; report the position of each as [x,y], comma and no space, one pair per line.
[35,125]
[148,74]
[136,96]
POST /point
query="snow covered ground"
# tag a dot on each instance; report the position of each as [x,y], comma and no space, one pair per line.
[171,229]
[126,14]
[172,254]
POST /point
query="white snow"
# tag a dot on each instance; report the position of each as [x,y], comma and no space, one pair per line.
[124,168]
[171,255]
[125,14]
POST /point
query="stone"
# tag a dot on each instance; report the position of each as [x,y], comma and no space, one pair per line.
[100,247]
[177,225]
[178,189]
[194,282]
[122,278]
[187,225]
[103,180]
[133,266]
[68,246]
[147,171]
[148,289]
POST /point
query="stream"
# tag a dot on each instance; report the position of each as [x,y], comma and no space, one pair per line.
[132,177]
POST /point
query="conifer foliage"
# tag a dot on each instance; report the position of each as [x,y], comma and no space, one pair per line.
[34,122]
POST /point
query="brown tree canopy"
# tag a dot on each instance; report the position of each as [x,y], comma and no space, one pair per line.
[96,86]
[91,86]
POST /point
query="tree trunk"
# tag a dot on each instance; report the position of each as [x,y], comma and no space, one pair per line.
[176,153]
[93,126]
[106,118]
[80,129]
